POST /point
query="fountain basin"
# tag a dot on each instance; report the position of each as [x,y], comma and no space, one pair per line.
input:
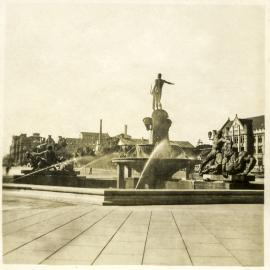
[159,170]
[167,166]
[134,163]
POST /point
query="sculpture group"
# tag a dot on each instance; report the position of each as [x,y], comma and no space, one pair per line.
[224,158]
[49,155]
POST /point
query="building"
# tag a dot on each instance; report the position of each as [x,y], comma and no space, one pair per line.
[249,135]
[21,144]
[86,142]
[91,138]
[131,141]
[202,146]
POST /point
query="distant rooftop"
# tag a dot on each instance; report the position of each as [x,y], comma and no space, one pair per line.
[83,133]
[257,122]
[183,144]
[128,141]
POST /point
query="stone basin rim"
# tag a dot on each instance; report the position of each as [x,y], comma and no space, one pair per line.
[144,159]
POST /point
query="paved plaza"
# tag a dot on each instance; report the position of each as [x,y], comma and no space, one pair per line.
[39,231]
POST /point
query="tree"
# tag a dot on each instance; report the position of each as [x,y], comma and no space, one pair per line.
[7,160]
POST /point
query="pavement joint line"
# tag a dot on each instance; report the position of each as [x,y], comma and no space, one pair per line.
[41,220]
[110,239]
[40,212]
[92,210]
[144,248]
[181,237]
[220,241]
[77,236]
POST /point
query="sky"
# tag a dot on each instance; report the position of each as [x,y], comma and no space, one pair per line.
[68,65]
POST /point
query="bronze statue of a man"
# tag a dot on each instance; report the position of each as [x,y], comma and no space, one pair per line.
[157,91]
[218,143]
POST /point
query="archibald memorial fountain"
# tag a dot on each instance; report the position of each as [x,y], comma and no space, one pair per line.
[224,173]
[159,160]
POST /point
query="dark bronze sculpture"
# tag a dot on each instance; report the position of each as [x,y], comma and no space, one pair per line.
[52,156]
[157,92]
[225,159]
[214,155]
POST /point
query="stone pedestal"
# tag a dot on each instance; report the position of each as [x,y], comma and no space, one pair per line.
[181,184]
[211,181]
[230,178]
[160,126]
[170,197]
[209,185]
[227,185]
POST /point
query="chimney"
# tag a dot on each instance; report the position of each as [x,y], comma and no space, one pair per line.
[100,131]
[125,133]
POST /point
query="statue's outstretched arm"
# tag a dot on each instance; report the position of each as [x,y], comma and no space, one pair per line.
[168,82]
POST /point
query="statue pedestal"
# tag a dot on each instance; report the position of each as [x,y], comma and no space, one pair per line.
[211,181]
[230,178]
[160,126]
[200,184]
[227,185]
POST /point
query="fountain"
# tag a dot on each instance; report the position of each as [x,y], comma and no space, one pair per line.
[158,160]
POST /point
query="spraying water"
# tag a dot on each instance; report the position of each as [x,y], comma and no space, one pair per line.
[161,151]
[164,150]
[88,164]
[98,159]
[66,162]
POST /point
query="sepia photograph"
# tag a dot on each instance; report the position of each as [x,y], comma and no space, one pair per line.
[134,133]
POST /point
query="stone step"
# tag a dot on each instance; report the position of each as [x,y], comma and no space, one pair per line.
[170,197]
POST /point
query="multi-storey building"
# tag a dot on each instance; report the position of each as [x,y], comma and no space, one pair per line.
[21,144]
[249,135]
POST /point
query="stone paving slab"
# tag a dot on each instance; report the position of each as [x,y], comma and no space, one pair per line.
[74,234]
[207,250]
[249,257]
[200,238]
[215,261]
[162,256]
[119,259]
[164,242]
